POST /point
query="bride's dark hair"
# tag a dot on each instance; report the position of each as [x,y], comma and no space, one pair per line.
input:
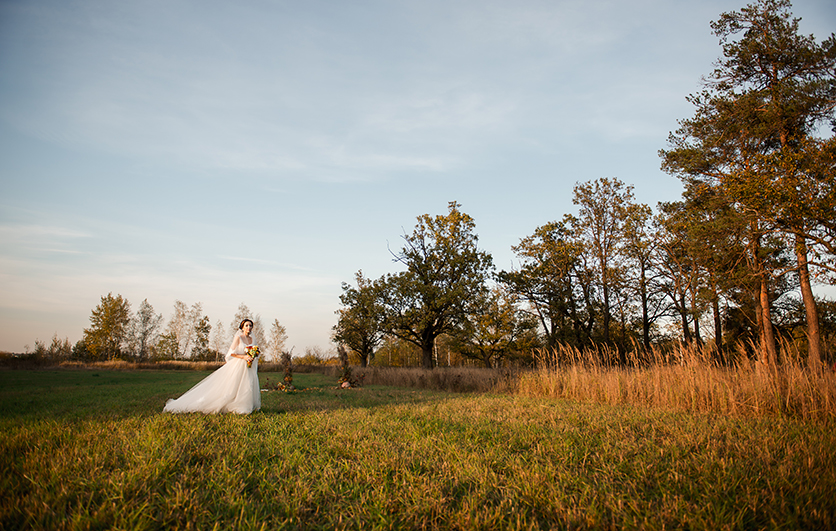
[241,326]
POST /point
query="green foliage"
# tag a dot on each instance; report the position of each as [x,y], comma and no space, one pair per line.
[108,332]
[604,208]
[446,271]
[201,350]
[57,349]
[497,330]
[754,136]
[395,352]
[577,273]
[553,282]
[168,348]
[361,318]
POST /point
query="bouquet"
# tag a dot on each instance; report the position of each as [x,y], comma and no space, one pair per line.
[253,352]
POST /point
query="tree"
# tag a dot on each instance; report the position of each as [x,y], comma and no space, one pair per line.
[396,352]
[201,350]
[497,330]
[278,338]
[360,319]
[219,341]
[167,347]
[603,210]
[641,250]
[446,271]
[753,135]
[552,280]
[57,349]
[183,327]
[109,328]
[144,330]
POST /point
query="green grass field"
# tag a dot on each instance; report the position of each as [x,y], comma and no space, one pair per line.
[88,449]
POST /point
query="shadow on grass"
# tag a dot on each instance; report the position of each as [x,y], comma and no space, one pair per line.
[85,393]
[319,393]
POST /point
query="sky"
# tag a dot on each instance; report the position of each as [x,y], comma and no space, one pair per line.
[263,152]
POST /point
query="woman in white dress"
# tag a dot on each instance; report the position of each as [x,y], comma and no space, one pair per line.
[232,388]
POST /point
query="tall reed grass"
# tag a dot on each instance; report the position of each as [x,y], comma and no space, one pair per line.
[686,378]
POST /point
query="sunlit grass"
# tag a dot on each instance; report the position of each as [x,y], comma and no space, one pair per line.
[688,379]
[86,449]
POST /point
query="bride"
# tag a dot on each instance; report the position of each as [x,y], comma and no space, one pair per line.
[232,388]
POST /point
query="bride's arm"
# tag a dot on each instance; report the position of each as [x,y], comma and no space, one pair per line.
[235,347]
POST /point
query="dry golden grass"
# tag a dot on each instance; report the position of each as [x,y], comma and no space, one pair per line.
[687,379]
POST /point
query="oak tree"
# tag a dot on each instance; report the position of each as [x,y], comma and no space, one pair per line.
[554,283]
[445,272]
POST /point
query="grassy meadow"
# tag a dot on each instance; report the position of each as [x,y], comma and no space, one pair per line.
[90,449]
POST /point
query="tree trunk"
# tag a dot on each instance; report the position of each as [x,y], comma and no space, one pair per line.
[606,322]
[718,326]
[718,320]
[683,313]
[813,335]
[427,361]
[697,336]
[767,333]
[645,316]
[695,312]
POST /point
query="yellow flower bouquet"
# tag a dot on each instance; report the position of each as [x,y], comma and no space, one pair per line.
[253,352]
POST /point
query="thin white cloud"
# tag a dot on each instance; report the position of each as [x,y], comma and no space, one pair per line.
[138,137]
[20,231]
[470,86]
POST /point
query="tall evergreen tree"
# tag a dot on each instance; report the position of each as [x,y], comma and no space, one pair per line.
[754,135]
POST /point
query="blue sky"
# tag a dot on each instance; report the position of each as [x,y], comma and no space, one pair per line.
[263,152]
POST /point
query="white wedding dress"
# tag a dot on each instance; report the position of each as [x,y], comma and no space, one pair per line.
[232,388]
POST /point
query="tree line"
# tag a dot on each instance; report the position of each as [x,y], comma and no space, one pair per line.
[116,332]
[756,224]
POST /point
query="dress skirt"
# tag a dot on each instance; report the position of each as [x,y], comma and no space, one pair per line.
[233,388]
